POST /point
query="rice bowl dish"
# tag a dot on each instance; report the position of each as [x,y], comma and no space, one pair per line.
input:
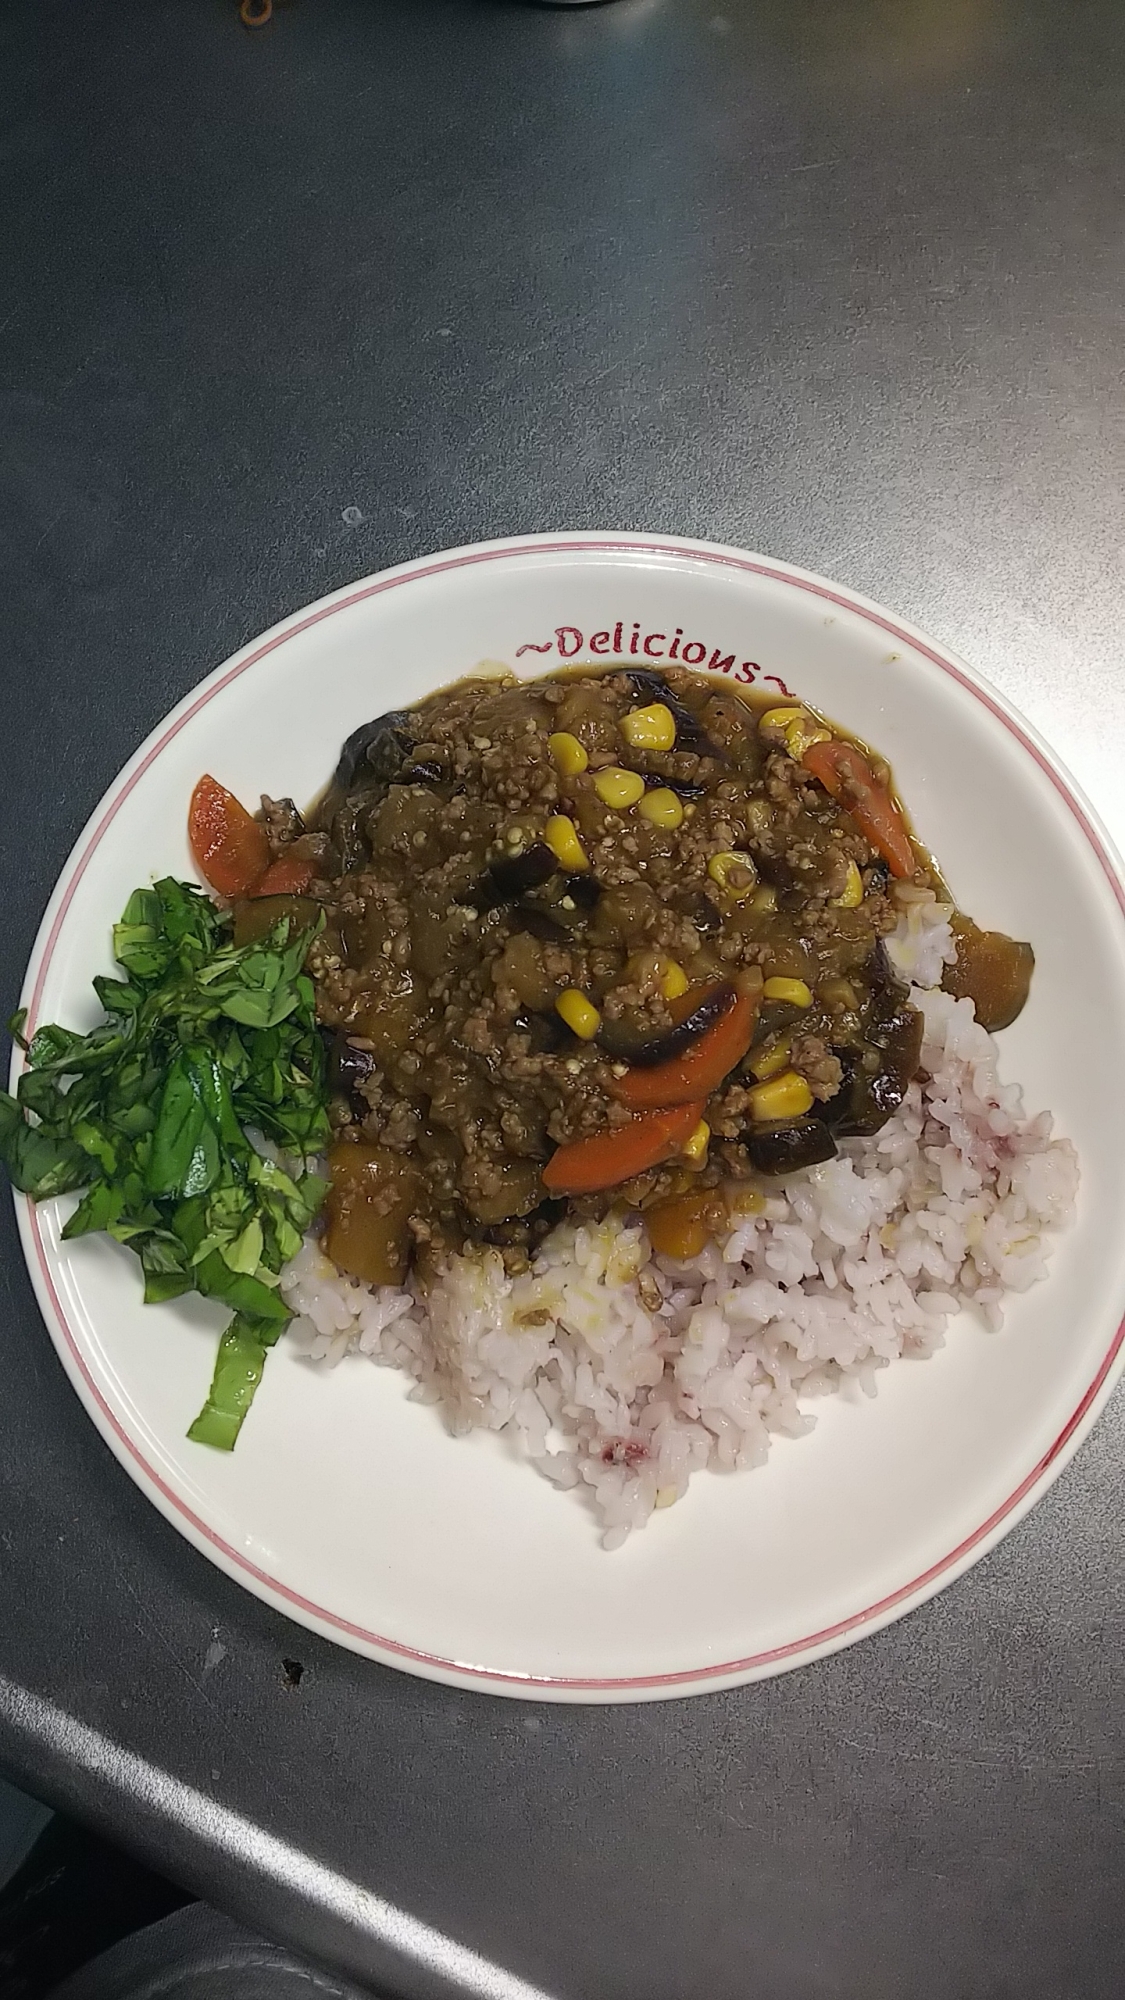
[620,1373]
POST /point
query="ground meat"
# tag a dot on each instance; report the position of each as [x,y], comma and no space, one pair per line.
[814,1060]
[730,1113]
[396,1126]
[438,959]
[283,824]
[317,848]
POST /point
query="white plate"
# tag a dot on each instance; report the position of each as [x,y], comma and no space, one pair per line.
[347,1506]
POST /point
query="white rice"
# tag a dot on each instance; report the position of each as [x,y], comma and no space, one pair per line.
[619,1374]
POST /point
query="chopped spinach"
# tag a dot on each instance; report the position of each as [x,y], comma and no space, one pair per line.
[204,1043]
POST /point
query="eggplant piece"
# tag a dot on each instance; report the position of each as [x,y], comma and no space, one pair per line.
[901,1039]
[526,1232]
[690,733]
[532,917]
[584,890]
[992,970]
[683,790]
[773,1017]
[348,1067]
[425,773]
[863,1104]
[703,913]
[836,1111]
[650,684]
[866,1107]
[376,751]
[779,874]
[789,1145]
[881,975]
[643,1049]
[865,1100]
[558,921]
[545,1032]
[513,875]
[348,834]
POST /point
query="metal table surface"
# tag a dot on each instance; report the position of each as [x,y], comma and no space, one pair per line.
[838,282]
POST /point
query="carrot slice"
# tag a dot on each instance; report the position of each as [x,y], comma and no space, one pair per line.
[286,876]
[700,1070]
[846,774]
[586,1165]
[231,850]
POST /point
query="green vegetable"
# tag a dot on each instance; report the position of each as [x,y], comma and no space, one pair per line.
[238,1371]
[204,1042]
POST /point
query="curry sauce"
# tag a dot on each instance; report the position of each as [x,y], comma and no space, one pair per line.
[612,936]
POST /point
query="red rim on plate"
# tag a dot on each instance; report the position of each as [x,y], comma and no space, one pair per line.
[813,1643]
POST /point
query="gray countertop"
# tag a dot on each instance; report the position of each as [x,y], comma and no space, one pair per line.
[840,282]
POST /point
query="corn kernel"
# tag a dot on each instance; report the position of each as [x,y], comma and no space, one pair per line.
[661,808]
[695,1148]
[780,718]
[735,874]
[619,789]
[764,899]
[561,836]
[853,890]
[802,734]
[568,755]
[674,982]
[797,728]
[784,1096]
[581,1017]
[793,991]
[649,728]
[770,1058]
